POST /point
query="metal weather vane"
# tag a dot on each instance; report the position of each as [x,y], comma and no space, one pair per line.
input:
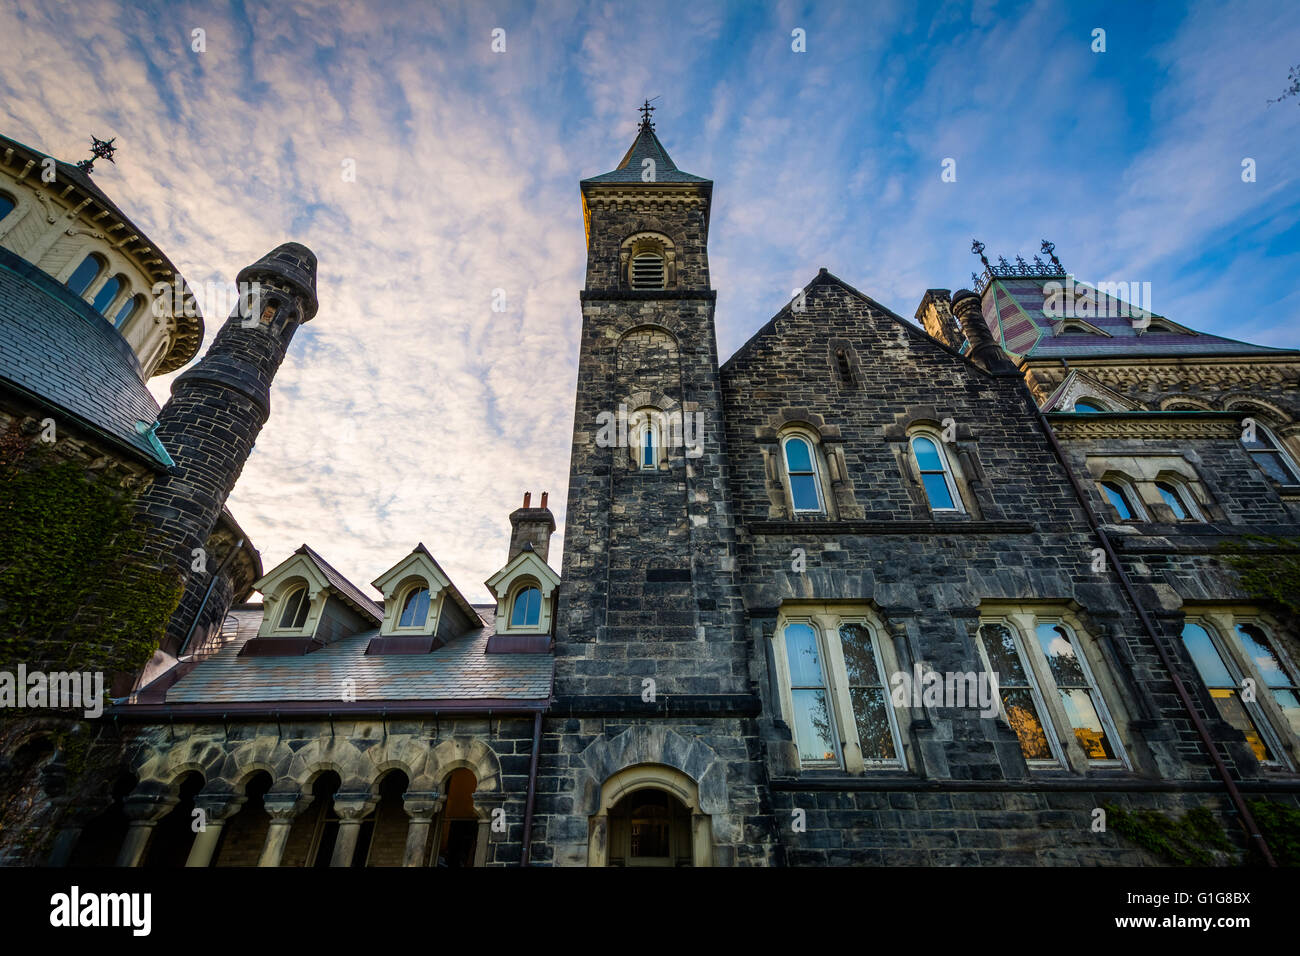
[99,149]
[646,109]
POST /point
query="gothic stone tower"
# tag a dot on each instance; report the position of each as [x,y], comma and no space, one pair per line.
[652,670]
[216,411]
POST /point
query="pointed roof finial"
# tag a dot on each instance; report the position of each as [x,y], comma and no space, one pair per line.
[99,149]
[977,248]
[1049,249]
[646,109]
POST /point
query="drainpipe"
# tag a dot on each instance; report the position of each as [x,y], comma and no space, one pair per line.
[532,788]
[1247,820]
[207,594]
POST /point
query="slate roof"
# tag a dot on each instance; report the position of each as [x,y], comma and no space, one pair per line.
[1013,308]
[189,321]
[56,348]
[646,146]
[458,671]
[345,588]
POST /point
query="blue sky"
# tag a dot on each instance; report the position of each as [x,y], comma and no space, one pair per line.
[410,411]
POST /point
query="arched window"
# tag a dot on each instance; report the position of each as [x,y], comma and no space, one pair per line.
[1178,500]
[527,610]
[1123,500]
[1224,682]
[647,444]
[86,273]
[1284,687]
[1270,456]
[1089,405]
[108,292]
[936,474]
[296,605]
[801,470]
[415,610]
[814,728]
[648,271]
[128,311]
[7,204]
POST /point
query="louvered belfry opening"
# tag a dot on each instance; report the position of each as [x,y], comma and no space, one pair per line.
[648,271]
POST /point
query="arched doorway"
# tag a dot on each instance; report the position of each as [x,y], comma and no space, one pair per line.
[312,836]
[649,827]
[649,815]
[462,834]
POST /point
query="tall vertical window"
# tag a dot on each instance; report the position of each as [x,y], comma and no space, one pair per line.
[85,274]
[296,606]
[1273,670]
[527,609]
[1271,457]
[873,713]
[1224,682]
[128,311]
[1021,706]
[801,470]
[415,610]
[649,448]
[936,475]
[108,292]
[1079,698]
[814,729]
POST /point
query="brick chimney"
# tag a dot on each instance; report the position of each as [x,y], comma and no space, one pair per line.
[531,526]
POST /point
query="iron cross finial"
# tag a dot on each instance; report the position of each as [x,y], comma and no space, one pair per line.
[977,249]
[99,149]
[646,109]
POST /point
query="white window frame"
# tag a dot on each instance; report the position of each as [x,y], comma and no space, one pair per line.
[405,595]
[281,606]
[1233,656]
[1046,717]
[949,474]
[814,458]
[519,587]
[1278,449]
[834,672]
[1129,492]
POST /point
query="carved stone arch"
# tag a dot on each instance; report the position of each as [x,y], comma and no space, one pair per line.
[1273,416]
[659,758]
[1175,400]
[473,755]
[335,754]
[382,768]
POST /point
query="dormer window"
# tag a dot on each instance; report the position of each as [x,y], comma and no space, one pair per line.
[86,273]
[296,606]
[527,608]
[415,609]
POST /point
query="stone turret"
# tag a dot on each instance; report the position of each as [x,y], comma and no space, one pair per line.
[984,350]
[216,411]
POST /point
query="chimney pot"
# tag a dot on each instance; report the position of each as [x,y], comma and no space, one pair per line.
[528,496]
[545,495]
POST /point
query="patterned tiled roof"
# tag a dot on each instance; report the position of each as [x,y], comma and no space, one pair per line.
[1013,309]
[458,671]
[55,347]
[646,146]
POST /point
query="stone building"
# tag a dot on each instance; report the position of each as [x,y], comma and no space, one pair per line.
[868,592]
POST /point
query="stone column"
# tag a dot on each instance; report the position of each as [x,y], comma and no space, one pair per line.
[352,809]
[282,808]
[701,840]
[420,808]
[144,810]
[217,808]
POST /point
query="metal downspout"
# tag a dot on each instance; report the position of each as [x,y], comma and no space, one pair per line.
[1247,820]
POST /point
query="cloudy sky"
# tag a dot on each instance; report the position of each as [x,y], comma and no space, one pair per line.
[409,410]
